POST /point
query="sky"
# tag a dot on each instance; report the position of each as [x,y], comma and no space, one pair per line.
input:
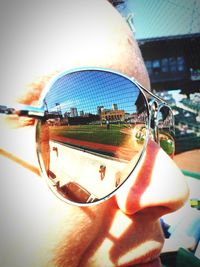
[157,18]
[86,90]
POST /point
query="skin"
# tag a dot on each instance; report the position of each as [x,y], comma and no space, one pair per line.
[40,230]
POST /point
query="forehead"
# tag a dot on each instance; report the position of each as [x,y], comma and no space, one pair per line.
[55,37]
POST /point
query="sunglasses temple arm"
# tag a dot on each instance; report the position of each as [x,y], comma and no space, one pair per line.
[147,91]
[23,111]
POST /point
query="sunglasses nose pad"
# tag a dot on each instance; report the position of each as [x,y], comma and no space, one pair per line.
[152,124]
[153,130]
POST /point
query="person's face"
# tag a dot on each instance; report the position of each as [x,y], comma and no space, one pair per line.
[124,230]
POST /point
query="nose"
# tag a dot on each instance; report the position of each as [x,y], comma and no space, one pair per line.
[156,183]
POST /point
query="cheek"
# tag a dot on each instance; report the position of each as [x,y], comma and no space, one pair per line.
[77,230]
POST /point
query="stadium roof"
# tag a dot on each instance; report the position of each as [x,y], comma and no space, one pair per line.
[172,37]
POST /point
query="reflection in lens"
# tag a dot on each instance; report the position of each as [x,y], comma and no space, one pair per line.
[94,130]
[166,130]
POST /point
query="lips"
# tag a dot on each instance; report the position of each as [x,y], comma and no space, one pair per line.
[154,263]
[149,259]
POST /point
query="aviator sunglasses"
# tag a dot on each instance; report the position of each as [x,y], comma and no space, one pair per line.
[92,130]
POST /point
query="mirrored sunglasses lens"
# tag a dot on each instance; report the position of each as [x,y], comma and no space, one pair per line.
[92,135]
[166,133]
